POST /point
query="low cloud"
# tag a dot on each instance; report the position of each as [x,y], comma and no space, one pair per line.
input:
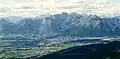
[35,7]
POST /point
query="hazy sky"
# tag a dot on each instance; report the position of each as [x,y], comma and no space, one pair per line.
[36,7]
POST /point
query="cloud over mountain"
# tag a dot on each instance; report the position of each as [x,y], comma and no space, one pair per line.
[35,7]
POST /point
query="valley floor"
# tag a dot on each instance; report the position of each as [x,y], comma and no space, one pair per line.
[24,47]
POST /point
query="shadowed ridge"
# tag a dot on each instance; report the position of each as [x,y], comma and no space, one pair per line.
[93,51]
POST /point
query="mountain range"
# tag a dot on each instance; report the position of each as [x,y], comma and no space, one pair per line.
[72,24]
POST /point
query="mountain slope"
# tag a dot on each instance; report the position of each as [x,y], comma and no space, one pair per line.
[94,51]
